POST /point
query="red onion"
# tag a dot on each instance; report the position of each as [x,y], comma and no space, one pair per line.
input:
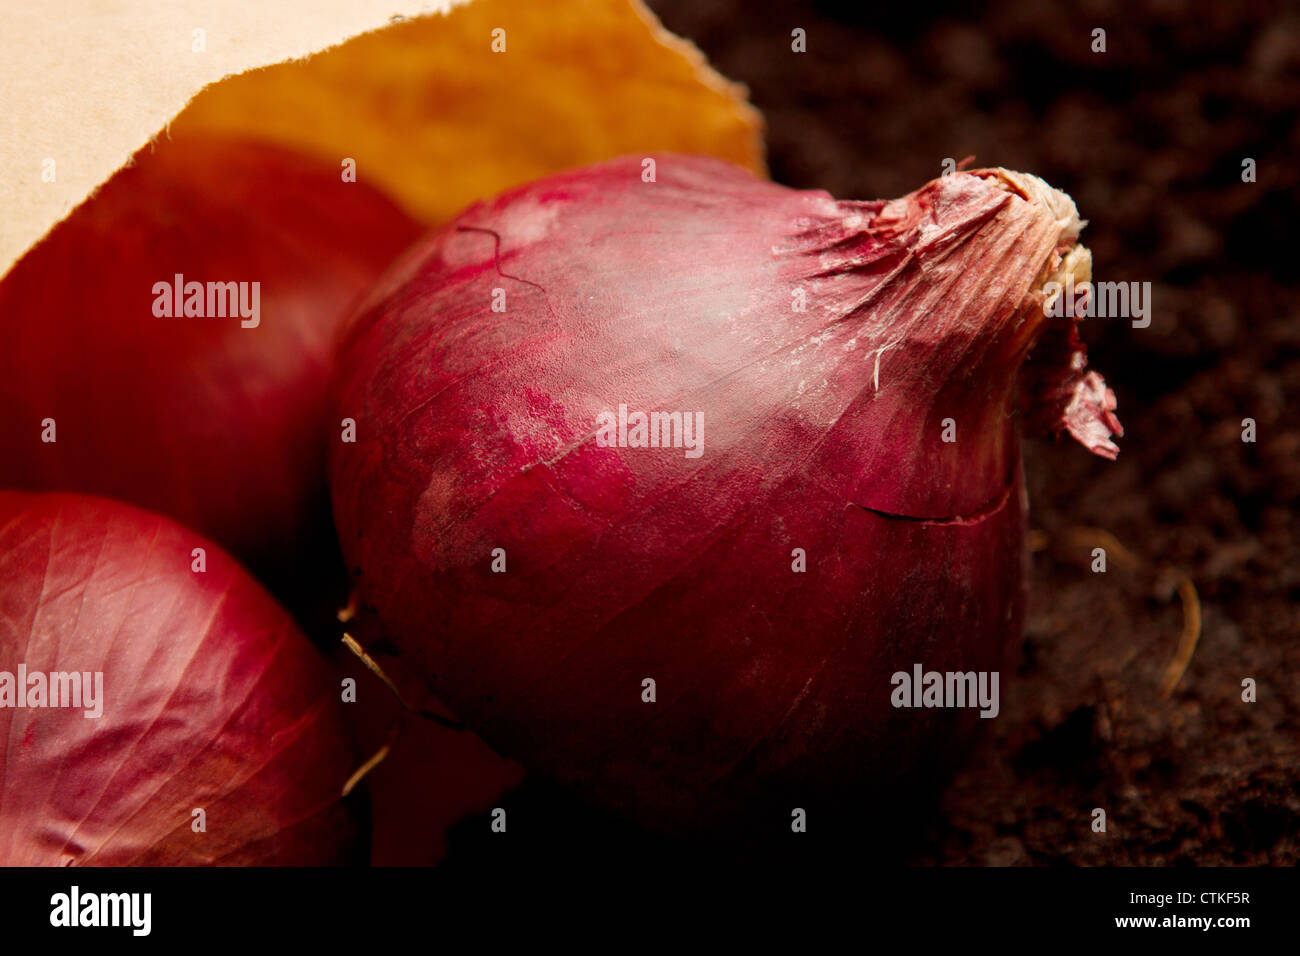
[207,699]
[212,420]
[853,366]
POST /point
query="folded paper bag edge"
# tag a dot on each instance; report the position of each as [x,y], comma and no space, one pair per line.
[86,92]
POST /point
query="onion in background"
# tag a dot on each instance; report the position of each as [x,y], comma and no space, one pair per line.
[216,425]
[213,700]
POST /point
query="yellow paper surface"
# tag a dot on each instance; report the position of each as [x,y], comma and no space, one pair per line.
[425,106]
[85,83]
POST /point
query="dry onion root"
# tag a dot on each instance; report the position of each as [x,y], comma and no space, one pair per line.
[1091,538]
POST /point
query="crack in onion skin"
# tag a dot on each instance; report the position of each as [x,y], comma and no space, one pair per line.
[212,700]
[217,426]
[476,431]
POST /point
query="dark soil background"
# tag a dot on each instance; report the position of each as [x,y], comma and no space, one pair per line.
[1149,139]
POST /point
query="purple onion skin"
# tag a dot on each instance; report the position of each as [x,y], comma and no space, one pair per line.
[212,701]
[824,430]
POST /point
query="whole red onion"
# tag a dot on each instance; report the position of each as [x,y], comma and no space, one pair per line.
[851,507]
[208,699]
[213,420]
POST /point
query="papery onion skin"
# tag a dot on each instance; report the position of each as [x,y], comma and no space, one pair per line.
[823,432]
[216,425]
[213,700]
